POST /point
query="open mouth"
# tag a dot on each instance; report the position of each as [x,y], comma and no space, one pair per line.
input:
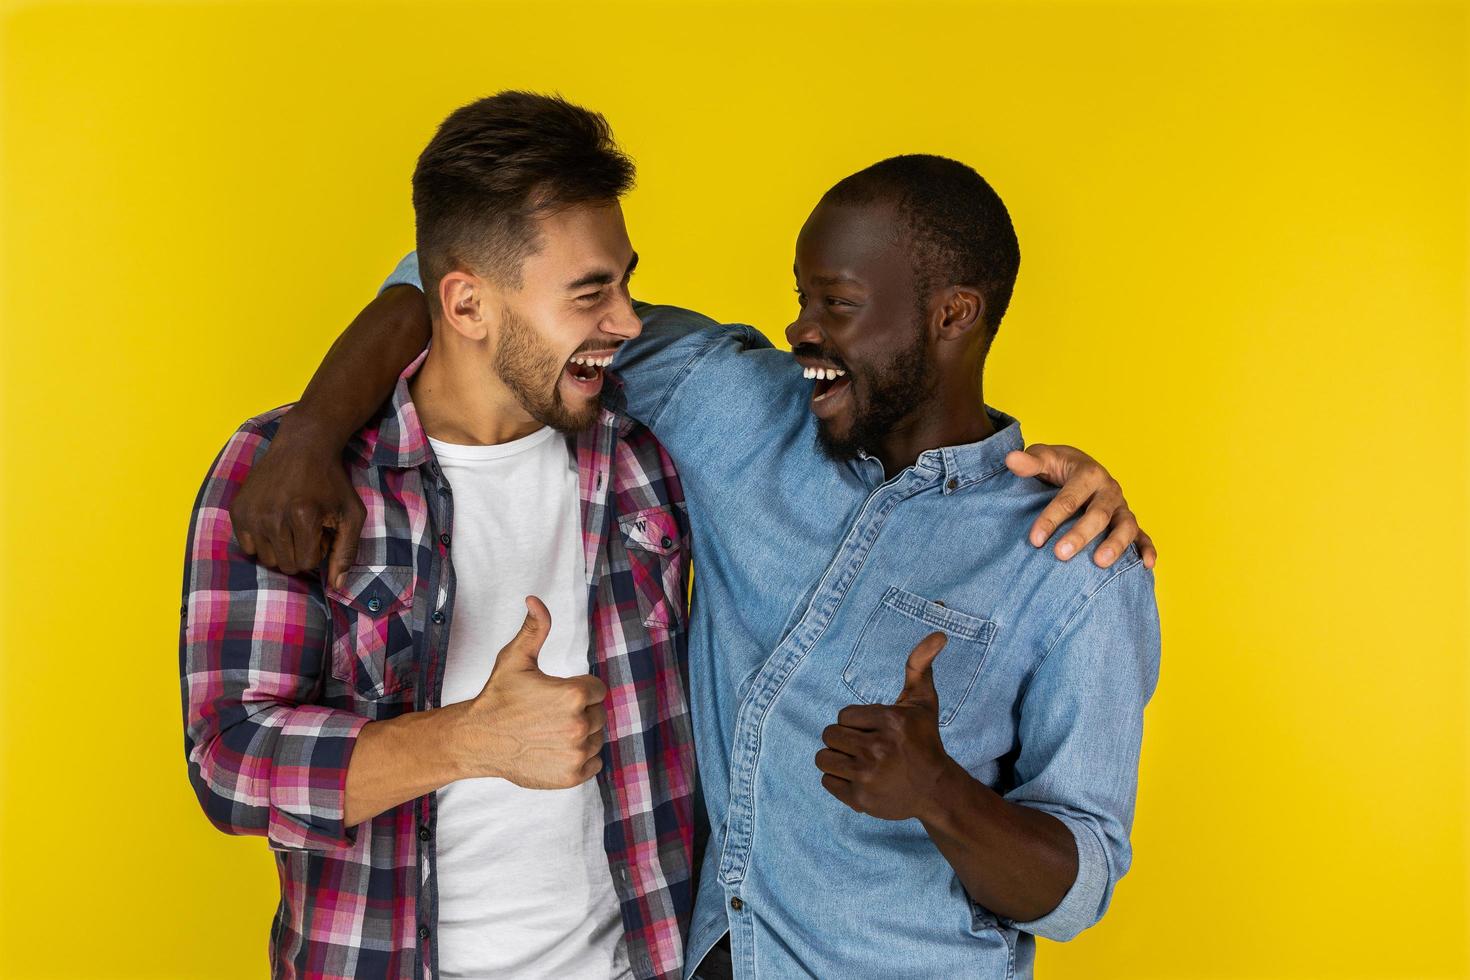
[830,382]
[585,371]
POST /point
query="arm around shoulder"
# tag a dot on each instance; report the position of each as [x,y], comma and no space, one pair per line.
[297,495]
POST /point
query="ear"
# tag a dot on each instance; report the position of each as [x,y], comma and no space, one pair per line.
[463,296]
[959,312]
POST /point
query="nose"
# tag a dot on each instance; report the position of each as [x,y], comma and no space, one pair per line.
[803,330]
[622,321]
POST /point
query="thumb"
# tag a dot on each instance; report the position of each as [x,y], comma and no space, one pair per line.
[346,532]
[524,649]
[918,673]
[1032,462]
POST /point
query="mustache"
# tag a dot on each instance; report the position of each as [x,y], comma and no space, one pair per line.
[816,353]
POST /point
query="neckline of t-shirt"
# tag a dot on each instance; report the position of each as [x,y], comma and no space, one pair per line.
[458,451]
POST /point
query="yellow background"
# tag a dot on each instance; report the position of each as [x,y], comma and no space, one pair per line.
[1243,287]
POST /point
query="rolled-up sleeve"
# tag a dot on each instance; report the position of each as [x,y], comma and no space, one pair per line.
[263,758]
[1081,729]
[406,273]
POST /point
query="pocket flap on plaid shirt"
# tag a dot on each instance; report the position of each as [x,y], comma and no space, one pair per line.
[654,529]
[376,590]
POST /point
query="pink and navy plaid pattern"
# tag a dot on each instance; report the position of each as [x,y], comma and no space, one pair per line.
[279,676]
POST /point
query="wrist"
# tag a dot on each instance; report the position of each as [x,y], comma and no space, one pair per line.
[303,428]
[453,735]
[949,793]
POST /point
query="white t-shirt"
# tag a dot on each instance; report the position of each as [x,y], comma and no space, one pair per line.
[525,890]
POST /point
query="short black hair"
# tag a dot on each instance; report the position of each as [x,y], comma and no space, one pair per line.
[496,164]
[958,226]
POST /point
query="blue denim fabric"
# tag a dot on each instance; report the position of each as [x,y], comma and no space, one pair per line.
[814,580]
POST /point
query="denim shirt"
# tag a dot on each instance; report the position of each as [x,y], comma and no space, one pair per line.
[814,579]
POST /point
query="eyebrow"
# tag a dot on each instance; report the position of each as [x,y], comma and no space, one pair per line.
[829,280]
[603,277]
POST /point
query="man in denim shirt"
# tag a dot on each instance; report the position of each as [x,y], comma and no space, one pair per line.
[885,801]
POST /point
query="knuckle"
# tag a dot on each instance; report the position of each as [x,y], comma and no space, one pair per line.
[272,528]
[1067,501]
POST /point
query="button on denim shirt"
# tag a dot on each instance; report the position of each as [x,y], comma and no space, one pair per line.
[814,580]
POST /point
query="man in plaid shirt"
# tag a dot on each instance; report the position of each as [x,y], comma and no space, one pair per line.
[432,816]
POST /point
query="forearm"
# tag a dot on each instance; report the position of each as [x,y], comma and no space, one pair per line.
[361,368]
[1016,861]
[403,758]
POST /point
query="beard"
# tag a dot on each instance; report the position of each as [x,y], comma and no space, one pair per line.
[883,401]
[532,372]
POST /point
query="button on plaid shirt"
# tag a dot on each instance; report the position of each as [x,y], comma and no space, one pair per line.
[279,676]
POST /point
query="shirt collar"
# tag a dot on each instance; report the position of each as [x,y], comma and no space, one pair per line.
[399,441]
[615,404]
[976,462]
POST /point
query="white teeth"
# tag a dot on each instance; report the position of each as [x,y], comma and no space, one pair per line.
[823,374]
[593,361]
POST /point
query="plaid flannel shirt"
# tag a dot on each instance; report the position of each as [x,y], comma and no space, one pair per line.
[279,676]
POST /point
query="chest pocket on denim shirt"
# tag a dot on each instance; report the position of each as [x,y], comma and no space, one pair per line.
[656,561]
[875,670]
[372,635]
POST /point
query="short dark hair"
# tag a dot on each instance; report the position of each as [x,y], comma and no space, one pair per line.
[958,226]
[496,164]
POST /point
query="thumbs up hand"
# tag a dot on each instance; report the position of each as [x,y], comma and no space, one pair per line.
[887,760]
[537,731]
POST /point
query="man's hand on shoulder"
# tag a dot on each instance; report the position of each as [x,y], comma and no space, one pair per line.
[294,495]
[1086,483]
